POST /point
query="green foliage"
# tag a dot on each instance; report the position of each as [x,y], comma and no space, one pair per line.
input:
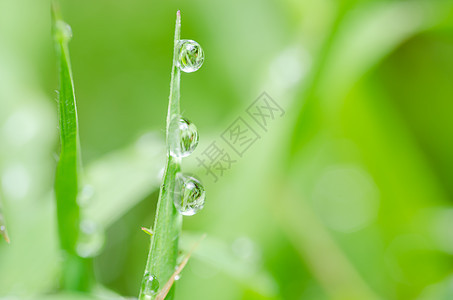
[66,179]
[76,270]
[167,225]
[348,195]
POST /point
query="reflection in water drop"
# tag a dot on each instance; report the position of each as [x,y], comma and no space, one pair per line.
[150,285]
[91,239]
[191,56]
[189,195]
[187,137]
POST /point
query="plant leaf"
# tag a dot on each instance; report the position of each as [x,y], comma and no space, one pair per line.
[66,179]
[123,178]
[167,225]
[217,253]
[76,271]
[166,289]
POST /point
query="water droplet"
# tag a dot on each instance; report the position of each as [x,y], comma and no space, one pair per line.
[191,56]
[177,269]
[150,285]
[63,31]
[186,139]
[91,239]
[189,195]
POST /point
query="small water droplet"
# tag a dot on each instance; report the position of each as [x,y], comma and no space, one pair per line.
[191,56]
[63,31]
[150,285]
[189,195]
[91,239]
[178,276]
[186,139]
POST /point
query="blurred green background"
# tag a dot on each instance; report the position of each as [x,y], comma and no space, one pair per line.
[347,196]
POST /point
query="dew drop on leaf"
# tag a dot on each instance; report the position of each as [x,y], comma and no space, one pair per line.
[189,195]
[150,285]
[186,139]
[63,31]
[190,56]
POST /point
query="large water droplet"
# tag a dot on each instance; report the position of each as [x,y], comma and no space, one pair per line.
[63,31]
[191,56]
[189,195]
[91,239]
[150,285]
[186,139]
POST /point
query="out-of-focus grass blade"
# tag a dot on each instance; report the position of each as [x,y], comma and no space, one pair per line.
[166,289]
[218,254]
[167,225]
[359,40]
[368,36]
[123,178]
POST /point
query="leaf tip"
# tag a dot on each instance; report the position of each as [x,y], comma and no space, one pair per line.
[147,231]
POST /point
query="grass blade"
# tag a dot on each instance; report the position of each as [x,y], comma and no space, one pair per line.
[75,269]
[166,288]
[66,180]
[167,225]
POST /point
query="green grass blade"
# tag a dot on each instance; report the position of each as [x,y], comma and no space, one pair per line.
[66,180]
[76,270]
[167,225]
